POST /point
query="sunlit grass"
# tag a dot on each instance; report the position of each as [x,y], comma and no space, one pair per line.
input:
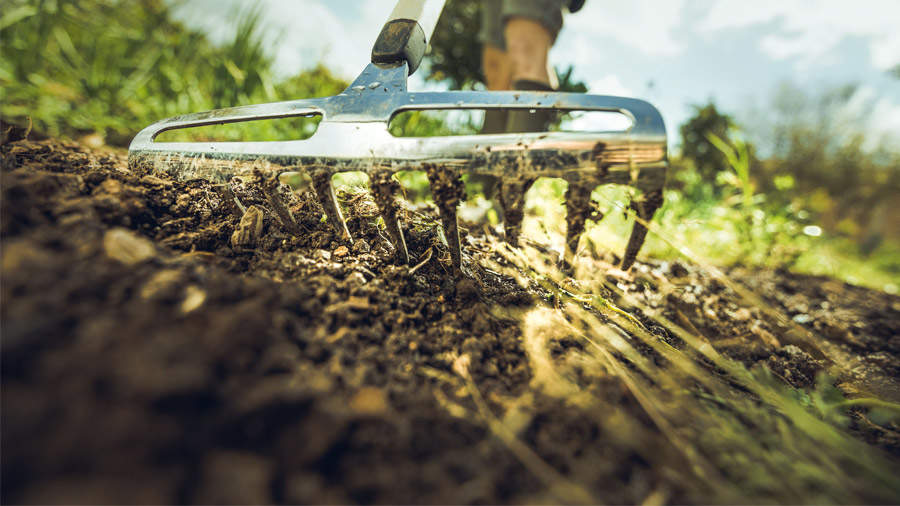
[720,231]
[725,433]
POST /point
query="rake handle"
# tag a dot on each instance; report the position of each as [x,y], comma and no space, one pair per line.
[405,35]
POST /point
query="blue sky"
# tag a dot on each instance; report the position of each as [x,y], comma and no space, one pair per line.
[735,52]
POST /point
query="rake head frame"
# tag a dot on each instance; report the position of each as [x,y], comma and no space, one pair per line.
[353,135]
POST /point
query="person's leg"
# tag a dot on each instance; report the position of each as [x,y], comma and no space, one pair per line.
[530,28]
[496,69]
[494,62]
[527,44]
[497,76]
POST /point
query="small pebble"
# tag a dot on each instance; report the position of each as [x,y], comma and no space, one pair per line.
[466,289]
[764,335]
[161,284]
[361,246]
[369,401]
[802,318]
[357,302]
[127,247]
[678,270]
[742,314]
[356,279]
[249,229]
[341,251]
[194,297]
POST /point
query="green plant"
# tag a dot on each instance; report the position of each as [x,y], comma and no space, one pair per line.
[738,158]
[111,67]
[696,146]
[744,435]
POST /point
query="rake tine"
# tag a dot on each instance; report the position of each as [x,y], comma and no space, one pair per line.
[448,189]
[512,199]
[492,193]
[645,208]
[321,180]
[385,189]
[578,208]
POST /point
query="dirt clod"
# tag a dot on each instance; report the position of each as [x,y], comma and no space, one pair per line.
[127,247]
[249,229]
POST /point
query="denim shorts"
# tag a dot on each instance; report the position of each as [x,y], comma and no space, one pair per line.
[494,14]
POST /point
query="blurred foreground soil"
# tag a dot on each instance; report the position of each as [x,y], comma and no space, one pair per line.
[175,342]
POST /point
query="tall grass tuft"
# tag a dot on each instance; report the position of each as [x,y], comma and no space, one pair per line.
[111,67]
[729,434]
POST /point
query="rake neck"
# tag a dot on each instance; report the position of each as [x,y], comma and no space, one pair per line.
[405,35]
[378,77]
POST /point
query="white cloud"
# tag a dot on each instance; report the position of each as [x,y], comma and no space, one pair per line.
[312,33]
[887,116]
[597,122]
[610,84]
[884,123]
[340,32]
[809,30]
[647,25]
[302,34]
[886,50]
[592,40]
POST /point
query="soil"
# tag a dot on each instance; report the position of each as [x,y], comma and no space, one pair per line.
[168,341]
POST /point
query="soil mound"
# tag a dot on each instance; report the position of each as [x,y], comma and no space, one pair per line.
[174,342]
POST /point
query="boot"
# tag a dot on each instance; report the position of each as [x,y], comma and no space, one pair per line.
[494,121]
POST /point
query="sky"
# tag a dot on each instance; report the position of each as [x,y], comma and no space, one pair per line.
[674,53]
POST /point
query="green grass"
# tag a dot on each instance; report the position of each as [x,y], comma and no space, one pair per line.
[720,231]
[726,234]
[112,67]
[726,433]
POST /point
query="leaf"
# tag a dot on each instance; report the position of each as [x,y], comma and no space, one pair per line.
[66,45]
[723,146]
[235,72]
[18,14]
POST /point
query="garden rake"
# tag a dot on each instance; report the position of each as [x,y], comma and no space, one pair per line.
[353,135]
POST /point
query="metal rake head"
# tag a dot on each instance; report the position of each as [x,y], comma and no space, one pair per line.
[353,136]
